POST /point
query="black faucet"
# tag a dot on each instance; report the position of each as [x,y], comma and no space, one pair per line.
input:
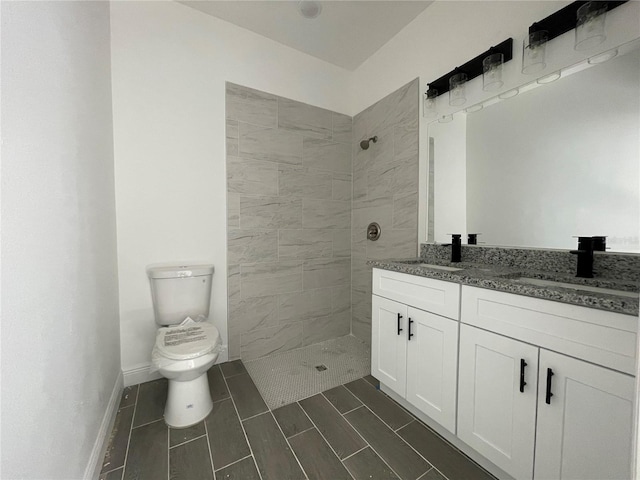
[472,238]
[456,247]
[599,244]
[585,257]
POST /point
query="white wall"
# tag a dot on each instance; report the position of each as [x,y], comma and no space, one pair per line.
[169,67]
[60,330]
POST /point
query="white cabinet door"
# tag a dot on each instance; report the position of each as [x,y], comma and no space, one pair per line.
[495,415]
[432,362]
[584,431]
[389,343]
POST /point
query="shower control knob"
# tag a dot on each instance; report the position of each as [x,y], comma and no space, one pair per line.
[373,231]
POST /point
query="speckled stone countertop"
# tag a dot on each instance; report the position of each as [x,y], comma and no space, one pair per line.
[508,279]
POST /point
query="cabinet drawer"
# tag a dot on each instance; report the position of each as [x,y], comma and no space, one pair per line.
[436,296]
[600,337]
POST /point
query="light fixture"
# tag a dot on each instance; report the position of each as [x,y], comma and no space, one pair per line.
[429,106]
[603,57]
[492,72]
[552,77]
[590,25]
[457,90]
[474,108]
[533,52]
[509,94]
[309,9]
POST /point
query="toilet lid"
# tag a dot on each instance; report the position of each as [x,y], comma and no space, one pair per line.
[189,341]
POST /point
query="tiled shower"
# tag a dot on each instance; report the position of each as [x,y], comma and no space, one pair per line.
[296,249]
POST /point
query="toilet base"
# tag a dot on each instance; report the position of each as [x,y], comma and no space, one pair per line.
[188,402]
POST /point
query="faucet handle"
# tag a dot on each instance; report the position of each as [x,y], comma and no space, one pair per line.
[472,238]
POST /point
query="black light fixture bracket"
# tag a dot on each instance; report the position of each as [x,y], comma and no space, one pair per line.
[565,19]
[473,68]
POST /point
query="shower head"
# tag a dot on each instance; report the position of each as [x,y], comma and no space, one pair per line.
[364,144]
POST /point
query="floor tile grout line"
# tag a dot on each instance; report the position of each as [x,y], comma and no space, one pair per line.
[299,433]
[256,415]
[148,423]
[126,455]
[356,452]
[304,472]
[246,438]
[234,462]
[405,425]
[186,441]
[112,470]
[371,447]
[206,434]
[327,441]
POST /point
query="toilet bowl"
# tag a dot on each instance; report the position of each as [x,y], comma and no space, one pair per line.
[184,349]
[183,355]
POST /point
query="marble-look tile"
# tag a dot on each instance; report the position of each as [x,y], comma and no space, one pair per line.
[326,272]
[359,185]
[340,300]
[405,138]
[232,137]
[398,176]
[405,210]
[304,118]
[381,151]
[304,305]
[361,329]
[326,155]
[248,246]
[268,341]
[307,243]
[341,242]
[263,279]
[397,243]
[379,210]
[303,182]
[318,330]
[325,213]
[270,212]
[251,106]
[342,128]
[269,144]
[341,187]
[233,210]
[360,273]
[234,346]
[254,313]
[251,176]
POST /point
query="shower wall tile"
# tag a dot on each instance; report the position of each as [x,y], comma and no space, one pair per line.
[342,128]
[267,341]
[305,305]
[247,246]
[307,243]
[323,272]
[270,212]
[385,186]
[303,182]
[263,279]
[289,223]
[255,313]
[326,214]
[251,106]
[304,119]
[326,155]
[251,176]
[341,242]
[269,144]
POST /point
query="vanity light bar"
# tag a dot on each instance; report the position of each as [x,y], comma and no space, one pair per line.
[473,68]
[565,19]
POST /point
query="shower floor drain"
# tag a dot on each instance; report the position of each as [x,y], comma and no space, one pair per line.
[321,368]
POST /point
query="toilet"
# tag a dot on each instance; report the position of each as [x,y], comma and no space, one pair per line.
[183,352]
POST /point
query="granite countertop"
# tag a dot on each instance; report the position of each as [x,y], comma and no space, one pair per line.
[510,279]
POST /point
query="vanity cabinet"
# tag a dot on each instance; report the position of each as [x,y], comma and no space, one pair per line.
[414,352]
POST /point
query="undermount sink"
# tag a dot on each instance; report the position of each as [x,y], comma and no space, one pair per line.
[439,267]
[588,288]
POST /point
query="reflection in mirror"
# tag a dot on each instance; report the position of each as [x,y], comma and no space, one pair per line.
[551,163]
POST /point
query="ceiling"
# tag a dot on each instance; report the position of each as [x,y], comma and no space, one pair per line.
[346,33]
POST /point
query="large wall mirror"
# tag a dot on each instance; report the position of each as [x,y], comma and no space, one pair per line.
[558,160]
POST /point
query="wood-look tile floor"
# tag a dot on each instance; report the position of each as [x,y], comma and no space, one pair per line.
[353,431]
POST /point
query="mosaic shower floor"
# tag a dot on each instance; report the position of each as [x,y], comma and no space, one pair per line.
[288,377]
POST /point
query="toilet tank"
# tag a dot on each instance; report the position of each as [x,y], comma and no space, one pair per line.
[180,291]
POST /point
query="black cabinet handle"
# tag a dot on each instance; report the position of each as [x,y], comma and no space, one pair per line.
[523,364]
[549,394]
[410,334]
[399,329]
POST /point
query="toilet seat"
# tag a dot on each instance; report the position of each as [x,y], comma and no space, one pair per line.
[188,341]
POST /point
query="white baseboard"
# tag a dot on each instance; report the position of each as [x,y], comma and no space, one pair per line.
[100,445]
[140,373]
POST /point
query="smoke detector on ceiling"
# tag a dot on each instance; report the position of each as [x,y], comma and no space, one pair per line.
[309,8]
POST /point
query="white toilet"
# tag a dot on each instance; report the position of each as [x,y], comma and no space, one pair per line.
[183,354]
